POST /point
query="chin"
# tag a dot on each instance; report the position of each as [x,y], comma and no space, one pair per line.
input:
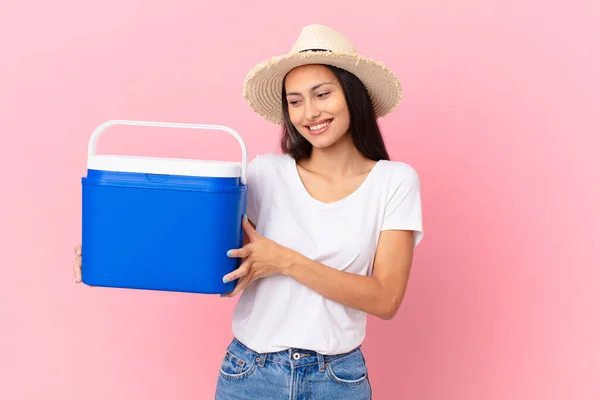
[323,141]
[327,140]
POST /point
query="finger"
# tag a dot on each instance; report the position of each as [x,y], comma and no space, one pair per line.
[250,231]
[78,250]
[241,285]
[253,278]
[244,252]
[77,269]
[238,273]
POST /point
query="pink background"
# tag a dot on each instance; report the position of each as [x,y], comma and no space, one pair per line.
[500,118]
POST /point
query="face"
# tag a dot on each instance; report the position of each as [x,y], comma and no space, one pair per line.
[317,105]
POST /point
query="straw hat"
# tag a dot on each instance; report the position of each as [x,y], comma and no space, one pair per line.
[263,84]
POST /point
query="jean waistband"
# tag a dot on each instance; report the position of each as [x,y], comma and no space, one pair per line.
[295,357]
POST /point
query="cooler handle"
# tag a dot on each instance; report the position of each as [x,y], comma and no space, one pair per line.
[96,135]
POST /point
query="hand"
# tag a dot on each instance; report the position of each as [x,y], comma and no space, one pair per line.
[262,257]
[77,265]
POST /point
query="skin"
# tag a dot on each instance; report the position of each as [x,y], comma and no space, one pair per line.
[334,170]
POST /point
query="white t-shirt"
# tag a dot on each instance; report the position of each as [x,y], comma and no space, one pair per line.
[277,313]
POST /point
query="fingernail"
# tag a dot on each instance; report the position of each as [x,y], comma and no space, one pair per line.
[246,217]
[225,280]
[229,253]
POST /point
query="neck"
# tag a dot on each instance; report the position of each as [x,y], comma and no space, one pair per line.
[338,160]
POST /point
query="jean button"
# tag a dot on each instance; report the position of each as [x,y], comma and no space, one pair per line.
[296,356]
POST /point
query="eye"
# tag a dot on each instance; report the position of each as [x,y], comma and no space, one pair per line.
[324,94]
[293,102]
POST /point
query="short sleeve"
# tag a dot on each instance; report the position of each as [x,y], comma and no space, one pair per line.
[254,189]
[403,210]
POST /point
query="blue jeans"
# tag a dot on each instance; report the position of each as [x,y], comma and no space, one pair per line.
[293,374]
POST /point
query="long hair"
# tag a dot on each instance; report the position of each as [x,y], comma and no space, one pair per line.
[364,128]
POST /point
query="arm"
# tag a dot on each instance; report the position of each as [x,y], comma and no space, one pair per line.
[380,294]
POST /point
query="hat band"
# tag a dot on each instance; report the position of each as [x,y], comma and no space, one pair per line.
[302,51]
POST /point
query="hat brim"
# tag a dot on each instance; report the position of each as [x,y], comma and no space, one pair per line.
[263,84]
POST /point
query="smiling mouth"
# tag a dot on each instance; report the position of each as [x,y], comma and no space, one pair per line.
[316,128]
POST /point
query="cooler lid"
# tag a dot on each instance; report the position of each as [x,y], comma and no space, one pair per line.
[167,166]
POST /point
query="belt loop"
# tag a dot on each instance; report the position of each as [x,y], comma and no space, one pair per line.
[321,360]
[261,358]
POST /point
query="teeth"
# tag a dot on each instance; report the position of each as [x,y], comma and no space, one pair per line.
[317,127]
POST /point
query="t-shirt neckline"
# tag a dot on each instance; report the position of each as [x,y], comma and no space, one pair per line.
[302,189]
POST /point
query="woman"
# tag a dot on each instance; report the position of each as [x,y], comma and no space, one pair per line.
[330,229]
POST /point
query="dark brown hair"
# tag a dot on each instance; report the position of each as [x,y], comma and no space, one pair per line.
[364,128]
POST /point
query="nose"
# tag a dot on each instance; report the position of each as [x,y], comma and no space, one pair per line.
[311,111]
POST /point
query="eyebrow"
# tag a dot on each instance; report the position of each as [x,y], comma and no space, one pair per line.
[312,88]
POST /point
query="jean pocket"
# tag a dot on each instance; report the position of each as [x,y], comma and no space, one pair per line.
[237,366]
[348,370]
